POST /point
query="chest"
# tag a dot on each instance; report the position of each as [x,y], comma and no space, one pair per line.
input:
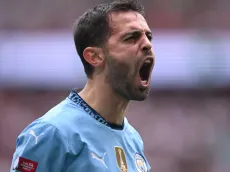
[112,159]
[109,153]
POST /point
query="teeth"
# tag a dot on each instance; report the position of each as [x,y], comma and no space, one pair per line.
[144,82]
[147,61]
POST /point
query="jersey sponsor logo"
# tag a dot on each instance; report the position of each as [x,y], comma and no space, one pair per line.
[25,165]
[102,160]
[121,159]
[140,163]
[35,136]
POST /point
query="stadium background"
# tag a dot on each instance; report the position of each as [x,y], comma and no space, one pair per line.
[185,121]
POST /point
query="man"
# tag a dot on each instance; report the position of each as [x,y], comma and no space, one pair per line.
[88,132]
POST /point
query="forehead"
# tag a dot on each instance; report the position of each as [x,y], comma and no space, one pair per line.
[125,21]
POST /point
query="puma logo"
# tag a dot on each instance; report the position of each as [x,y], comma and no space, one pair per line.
[99,158]
[36,137]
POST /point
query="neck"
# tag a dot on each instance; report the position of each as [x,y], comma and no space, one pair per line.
[105,101]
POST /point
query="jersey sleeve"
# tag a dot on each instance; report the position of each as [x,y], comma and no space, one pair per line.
[40,148]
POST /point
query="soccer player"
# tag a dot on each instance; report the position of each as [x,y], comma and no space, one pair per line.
[87,132]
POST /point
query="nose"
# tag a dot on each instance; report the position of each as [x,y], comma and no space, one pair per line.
[146,45]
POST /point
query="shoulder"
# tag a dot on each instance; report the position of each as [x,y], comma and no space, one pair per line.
[41,139]
[133,133]
[64,116]
[59,123]
[41,132]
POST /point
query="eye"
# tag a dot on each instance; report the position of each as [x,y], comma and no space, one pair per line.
[149,37]
[130,38]
[133,37]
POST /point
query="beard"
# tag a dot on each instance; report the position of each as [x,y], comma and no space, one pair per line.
[121,78]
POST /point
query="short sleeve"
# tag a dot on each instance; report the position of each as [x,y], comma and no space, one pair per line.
[40,148]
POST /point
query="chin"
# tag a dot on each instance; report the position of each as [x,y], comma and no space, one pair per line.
[141,94]
[140,98]
[131,92]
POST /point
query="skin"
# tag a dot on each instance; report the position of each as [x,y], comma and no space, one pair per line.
[116,78]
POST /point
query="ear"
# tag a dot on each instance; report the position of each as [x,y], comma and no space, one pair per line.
[94,56]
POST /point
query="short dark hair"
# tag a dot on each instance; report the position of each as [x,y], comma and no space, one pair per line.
[92,28]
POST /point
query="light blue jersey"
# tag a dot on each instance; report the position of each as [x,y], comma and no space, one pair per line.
[72,137]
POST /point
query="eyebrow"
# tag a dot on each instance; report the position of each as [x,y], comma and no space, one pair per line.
[135,32]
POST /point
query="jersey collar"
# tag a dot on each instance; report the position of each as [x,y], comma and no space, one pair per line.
[89,110]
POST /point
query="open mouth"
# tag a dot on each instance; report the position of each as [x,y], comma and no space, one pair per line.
[145,71]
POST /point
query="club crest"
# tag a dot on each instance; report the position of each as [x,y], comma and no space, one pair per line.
[140,163]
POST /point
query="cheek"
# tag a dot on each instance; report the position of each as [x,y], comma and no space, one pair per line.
[122,68]
[127,70]
[119,68]
[124,53]
[123,61]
